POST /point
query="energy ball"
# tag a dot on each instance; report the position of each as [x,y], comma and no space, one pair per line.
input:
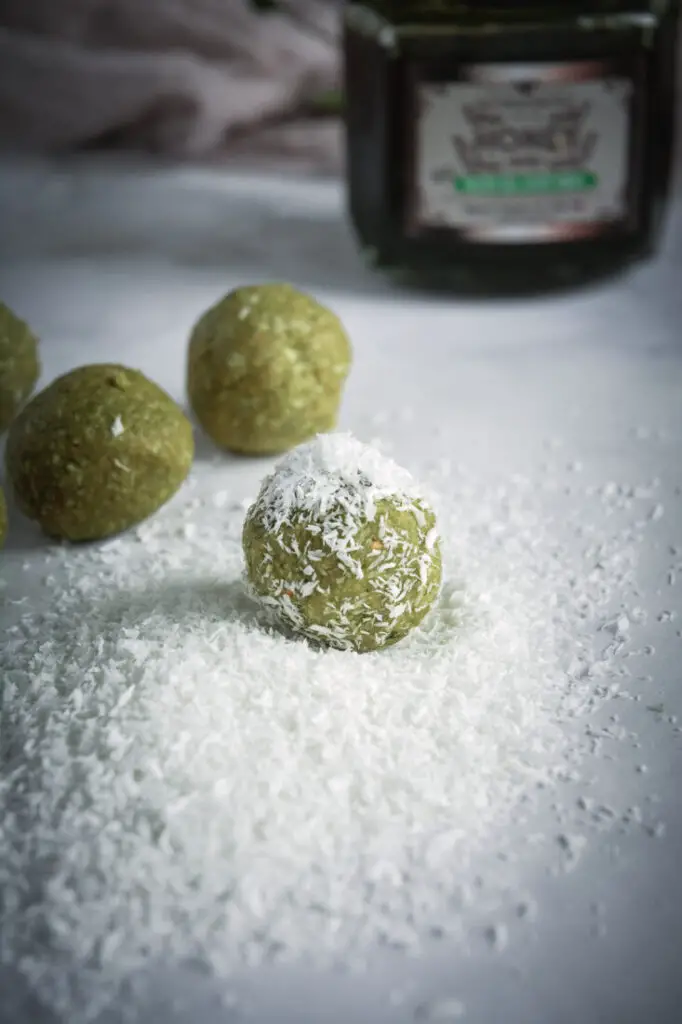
[266,369]
[3,518]
[341,546]
[19,365]
[97,451]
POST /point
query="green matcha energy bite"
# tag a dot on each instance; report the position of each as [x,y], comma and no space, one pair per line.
[19,364]
[341,546]
[266,368]
[97,451]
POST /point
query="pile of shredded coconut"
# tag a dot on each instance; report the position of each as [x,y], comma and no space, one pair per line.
[182,783]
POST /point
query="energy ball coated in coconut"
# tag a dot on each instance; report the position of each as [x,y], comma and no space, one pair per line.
[19,364]
[266,368]
[97,451]
[3,519]
[341,546]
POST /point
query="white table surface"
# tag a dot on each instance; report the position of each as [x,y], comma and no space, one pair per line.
[120,259]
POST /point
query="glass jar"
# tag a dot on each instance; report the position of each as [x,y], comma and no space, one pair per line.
[509,143]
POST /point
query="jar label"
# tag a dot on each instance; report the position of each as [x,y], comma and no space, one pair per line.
[519,153]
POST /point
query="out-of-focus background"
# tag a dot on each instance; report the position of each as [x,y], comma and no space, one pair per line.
[240,82]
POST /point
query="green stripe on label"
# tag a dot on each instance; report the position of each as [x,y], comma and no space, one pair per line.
[525,184]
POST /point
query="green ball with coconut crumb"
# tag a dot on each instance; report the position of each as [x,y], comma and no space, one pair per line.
[341,546]
[19,364]
[266,368]
[96,452]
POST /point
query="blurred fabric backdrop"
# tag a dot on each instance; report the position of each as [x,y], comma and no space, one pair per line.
[245,82]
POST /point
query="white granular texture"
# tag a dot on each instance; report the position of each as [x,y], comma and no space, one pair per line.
[334,470]
[117,427]
[180,782]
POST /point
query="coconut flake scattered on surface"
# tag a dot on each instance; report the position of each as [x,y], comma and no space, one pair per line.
[182,783]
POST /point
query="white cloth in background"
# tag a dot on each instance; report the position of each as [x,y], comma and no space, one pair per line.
[188,78]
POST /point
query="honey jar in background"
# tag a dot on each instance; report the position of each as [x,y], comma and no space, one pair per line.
[509,144]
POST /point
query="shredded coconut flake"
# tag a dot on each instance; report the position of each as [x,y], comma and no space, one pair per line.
[332,470]
[182,784]
[117,427]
